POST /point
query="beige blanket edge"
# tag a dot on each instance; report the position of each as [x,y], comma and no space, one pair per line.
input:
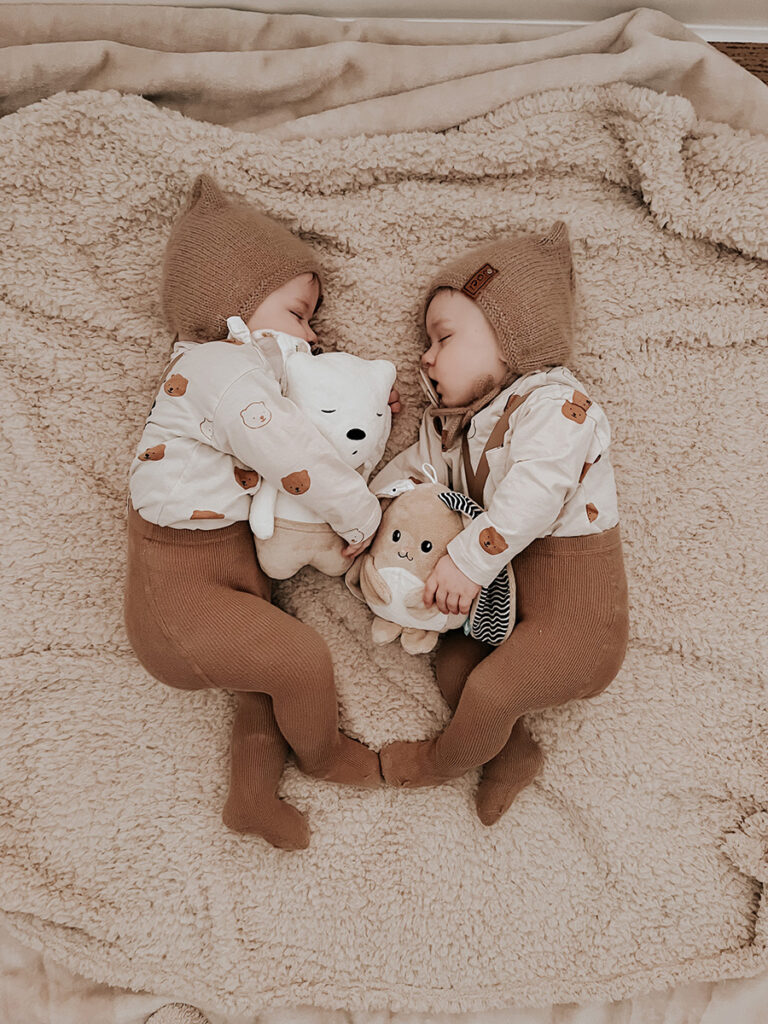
[293,76]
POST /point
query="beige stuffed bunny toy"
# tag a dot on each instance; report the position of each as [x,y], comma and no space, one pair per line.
[418,522]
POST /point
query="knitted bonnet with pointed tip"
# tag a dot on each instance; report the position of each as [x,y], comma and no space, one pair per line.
[223,258]
[524,285]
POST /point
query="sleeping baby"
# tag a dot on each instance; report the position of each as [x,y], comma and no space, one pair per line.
[198,608]
[512,427]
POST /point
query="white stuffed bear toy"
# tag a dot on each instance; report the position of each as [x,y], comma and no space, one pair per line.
[347,399]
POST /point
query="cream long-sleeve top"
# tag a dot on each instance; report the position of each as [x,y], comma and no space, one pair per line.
[551,474]
[221,423]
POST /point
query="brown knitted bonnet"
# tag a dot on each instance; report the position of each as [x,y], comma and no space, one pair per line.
[524,286]
[223,258]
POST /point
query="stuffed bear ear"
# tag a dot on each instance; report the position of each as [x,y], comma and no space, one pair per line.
[238,329]
[385,372]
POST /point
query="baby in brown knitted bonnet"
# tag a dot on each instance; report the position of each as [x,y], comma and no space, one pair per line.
[511,426]
[198,607]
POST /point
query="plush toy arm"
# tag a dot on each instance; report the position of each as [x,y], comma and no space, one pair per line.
[262,515]
[372,584]
[414,602]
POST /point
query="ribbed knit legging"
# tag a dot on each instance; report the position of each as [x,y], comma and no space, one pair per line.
[198,615]
[569,642]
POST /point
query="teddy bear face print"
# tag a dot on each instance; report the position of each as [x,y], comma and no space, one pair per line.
[246,478]
[255,415]
[491,541]
[576,409]
[153,454]
[176,385]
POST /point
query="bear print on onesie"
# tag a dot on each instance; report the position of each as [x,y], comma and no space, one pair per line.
[219,410]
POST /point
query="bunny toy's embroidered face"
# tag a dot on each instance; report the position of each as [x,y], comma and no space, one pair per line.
[415,530]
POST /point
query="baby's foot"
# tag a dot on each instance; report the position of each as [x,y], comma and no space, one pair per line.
[350,763]
[271,818]
[503,778]
[411,764]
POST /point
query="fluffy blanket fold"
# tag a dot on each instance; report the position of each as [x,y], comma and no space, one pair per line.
[294,76]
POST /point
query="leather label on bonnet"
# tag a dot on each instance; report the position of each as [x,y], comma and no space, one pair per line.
[479,280]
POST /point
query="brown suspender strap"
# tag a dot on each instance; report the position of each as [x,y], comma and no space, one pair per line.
[476,481]
[170,365]
[270,349]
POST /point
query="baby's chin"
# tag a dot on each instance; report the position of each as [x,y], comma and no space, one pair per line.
[454,400]
[446,402]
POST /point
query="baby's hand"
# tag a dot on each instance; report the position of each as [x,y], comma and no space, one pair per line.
[450,588]
[351,550]
[394,400]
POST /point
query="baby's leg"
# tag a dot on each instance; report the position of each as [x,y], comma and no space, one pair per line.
[456,656]
[497,691]
[516,765]
[170,574]
[257,759]
[269,651]
[519,760]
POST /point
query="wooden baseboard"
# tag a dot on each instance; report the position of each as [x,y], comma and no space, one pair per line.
[752,56]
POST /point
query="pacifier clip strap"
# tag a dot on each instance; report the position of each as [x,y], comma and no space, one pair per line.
[476,481]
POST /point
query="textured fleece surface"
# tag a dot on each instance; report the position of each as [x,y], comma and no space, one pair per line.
[637,858]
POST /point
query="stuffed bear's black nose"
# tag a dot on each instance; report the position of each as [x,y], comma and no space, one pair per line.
[355,434]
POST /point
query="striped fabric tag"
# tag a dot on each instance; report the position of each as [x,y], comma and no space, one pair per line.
[492,610]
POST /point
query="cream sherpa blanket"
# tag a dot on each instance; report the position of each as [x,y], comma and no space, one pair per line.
[637,859]
[291,76]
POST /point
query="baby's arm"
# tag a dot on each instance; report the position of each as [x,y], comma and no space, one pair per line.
[545,456]
[268,432]
[409,462]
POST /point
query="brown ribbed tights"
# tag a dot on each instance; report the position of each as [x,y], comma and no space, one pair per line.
[569,642]
[198,614]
